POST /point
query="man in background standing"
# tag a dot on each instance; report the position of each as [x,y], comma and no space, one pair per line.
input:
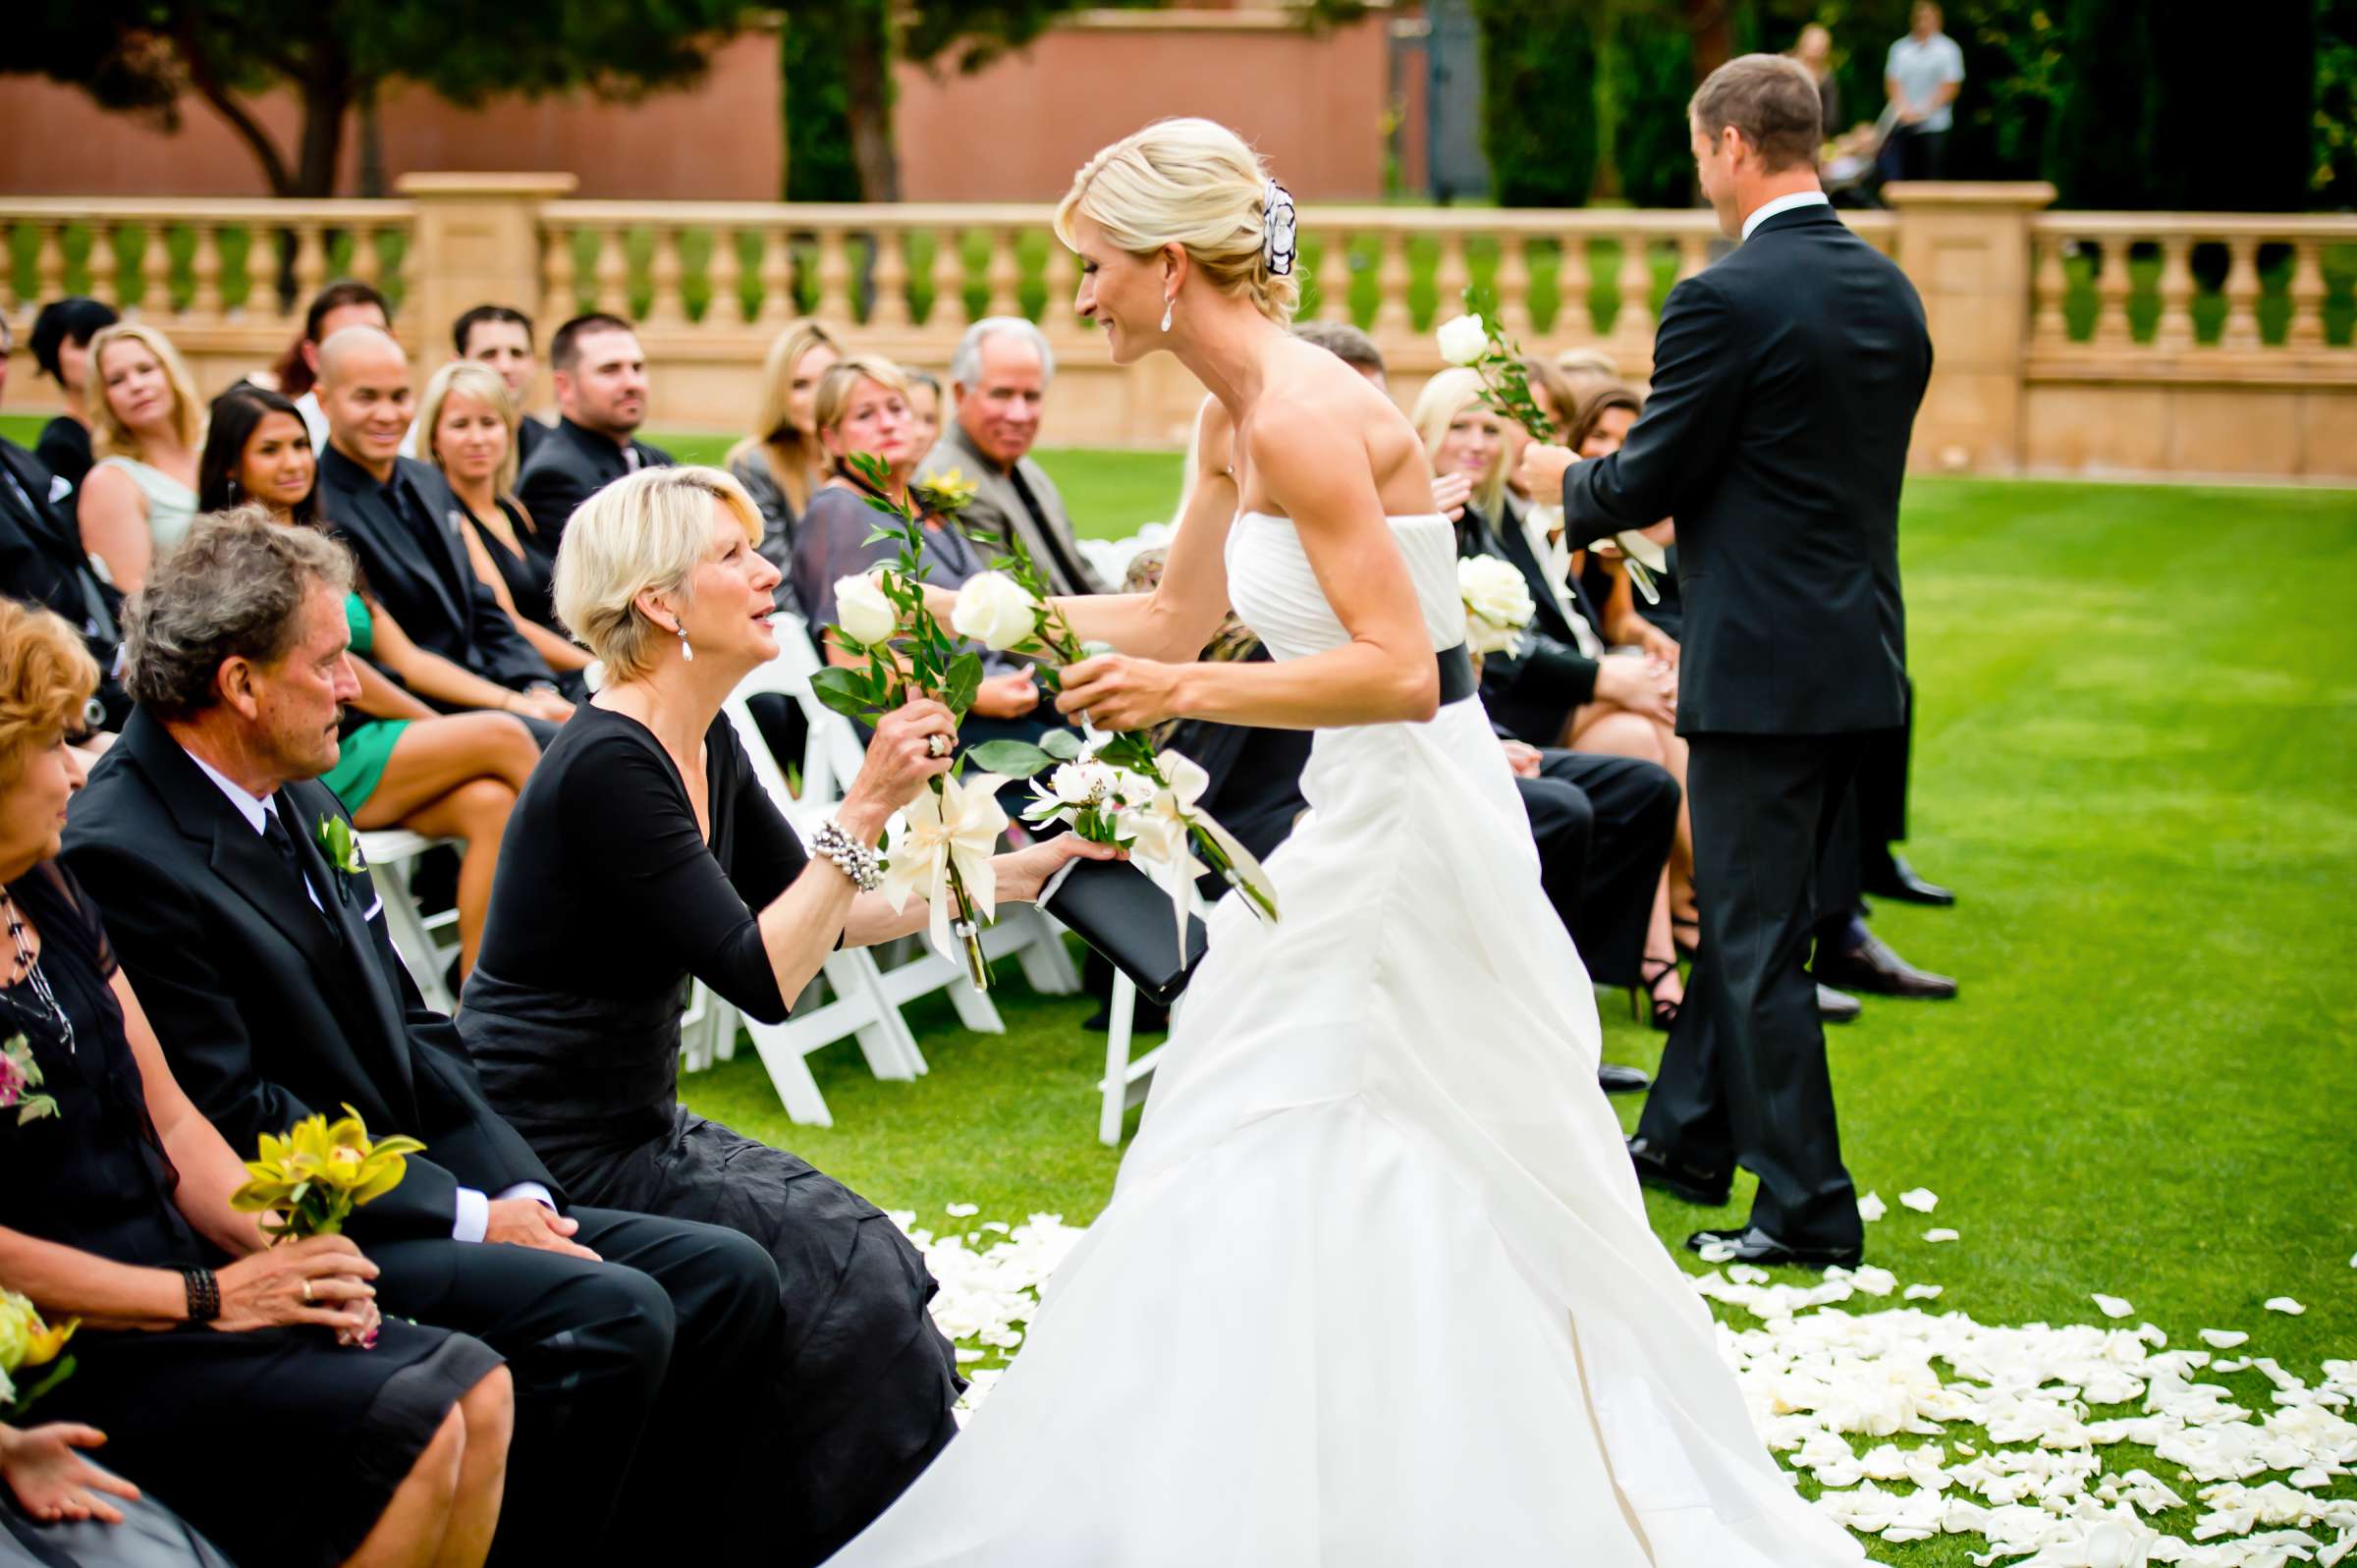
[1922,77]
[501,337]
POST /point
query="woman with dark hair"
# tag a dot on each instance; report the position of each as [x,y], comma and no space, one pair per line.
[401,763]
[61,347]
[1597,426]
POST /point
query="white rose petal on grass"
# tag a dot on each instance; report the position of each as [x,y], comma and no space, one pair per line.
[1872,1208]
[2285,1305]
[1922,1292]
[1940,1234]
[961,1210]
[862,611]
[2223,1338]
[2112,1306]
[1920,1198]
[1463,340]
[1716,1251]
[994,610]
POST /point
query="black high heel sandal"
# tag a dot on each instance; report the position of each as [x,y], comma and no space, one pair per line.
[1651,972]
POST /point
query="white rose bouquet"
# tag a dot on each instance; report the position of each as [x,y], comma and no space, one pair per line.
[1498,604]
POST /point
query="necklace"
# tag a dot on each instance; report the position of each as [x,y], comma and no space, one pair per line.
[28,968]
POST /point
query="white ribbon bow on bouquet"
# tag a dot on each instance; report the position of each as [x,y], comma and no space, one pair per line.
[1160,837]
[959,826]
[1647,560]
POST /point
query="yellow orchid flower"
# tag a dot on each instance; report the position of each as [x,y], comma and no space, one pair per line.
[314,1174]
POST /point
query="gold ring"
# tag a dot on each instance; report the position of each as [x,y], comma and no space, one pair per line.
[307,1292]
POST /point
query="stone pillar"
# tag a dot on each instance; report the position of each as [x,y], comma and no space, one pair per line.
[1966,247]
[477,242]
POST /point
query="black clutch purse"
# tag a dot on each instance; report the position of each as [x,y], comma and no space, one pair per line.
[1116,909]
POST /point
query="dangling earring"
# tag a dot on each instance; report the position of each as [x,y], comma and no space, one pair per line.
[1166,306]
[686,654]
[233,482]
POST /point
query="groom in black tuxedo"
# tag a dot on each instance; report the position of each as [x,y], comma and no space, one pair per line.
[1785,381]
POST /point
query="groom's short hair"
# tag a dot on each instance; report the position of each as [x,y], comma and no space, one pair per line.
[1770,100]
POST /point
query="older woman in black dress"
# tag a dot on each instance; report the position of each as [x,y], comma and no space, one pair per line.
[253,1389]
[644,851]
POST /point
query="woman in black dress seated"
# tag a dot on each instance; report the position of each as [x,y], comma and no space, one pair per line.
[253,1390]
[644,851]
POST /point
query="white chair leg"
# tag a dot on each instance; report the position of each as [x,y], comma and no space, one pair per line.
[1038,945]
[1115,1099]
[781,1055]
[885,1039]
[409,936]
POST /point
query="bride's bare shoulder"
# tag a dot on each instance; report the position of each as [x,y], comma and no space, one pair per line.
[1305,389]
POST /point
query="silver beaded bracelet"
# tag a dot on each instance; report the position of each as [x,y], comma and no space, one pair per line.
[854,859]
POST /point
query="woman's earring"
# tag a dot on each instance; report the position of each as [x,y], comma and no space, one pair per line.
[686,654]
[1166,307]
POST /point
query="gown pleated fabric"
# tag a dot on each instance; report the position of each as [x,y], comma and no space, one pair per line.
[1376,1284]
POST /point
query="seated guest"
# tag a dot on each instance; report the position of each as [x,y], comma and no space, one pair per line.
[42,563]
[345,303]
[141,492]
[924,403]
[1596,428]
[862,406]
[999,377]
[644,852]
[397,514]
[61,347]
[782,463]
[400,763]
[470,423]
[600,376]
[69,1510]
[202,1351]
[1584,372]
[277,994]
[499,337]
[1561,687]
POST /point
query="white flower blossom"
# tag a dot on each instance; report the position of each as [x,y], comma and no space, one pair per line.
[862,611]
[1463,340]
[994,610]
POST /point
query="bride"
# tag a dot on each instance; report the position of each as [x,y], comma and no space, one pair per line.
[1375,1285]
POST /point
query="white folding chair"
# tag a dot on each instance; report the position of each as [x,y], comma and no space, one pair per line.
[392,855]
[1124,1083]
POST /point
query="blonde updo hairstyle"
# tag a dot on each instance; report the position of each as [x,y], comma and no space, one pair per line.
[1191,183]
[645,532]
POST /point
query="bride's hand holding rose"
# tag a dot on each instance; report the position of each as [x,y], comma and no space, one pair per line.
[1114,691]
[1021,873]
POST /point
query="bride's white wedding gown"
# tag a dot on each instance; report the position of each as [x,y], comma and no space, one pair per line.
[1375,1285]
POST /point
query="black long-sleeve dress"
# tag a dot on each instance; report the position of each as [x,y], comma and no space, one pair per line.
[608,900]
[280,1445]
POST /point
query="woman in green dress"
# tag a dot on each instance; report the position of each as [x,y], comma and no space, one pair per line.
[403,763]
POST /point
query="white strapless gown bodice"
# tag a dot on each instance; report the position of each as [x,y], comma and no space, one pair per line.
[1376,1284]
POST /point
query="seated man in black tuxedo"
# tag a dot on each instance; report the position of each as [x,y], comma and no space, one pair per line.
[42,562]
[262,958]
[600,376]
[396,513]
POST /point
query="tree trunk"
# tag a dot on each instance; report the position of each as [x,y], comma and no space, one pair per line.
[327,92]
[868,84]
[1712,25]
[372,144]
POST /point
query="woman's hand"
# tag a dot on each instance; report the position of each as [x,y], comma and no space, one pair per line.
[1658,644]
[546,705]
[1114,691]
[1023,872]
[322,1281]
[53,1481]
[1644,686]
[1450,492]
[1008,696]
[902,759]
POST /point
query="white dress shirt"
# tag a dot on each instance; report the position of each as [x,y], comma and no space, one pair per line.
[472,1219]
[1769,209]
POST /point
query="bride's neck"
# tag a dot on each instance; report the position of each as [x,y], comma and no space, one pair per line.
[1221,346]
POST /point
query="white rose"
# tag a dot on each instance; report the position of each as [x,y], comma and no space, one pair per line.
[994,610]
[1464,341]
[862,612]
[1498,604]
[1083,784]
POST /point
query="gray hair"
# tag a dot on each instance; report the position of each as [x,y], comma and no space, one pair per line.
[965,366]
[232,589]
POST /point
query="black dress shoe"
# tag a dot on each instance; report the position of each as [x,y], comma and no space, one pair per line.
[1656,1170]
[1838,1007]
[1615,1079]
[1871,966]
[1891,877]
[1756,1247]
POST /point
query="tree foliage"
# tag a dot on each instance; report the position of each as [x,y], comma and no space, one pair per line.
[1538,111]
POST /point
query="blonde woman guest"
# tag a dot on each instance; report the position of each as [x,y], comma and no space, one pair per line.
[146,426]
[646,851]
[398,763]
[470,423]
[782,463]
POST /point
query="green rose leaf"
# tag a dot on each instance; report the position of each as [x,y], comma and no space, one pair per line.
[1062,744]
[846,691]
[962,679]
[1011,759]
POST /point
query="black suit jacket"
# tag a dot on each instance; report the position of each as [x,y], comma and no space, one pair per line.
[1785,381]
[416,567]
[572,465]
[1529,694]
[42,563]
[266,1012]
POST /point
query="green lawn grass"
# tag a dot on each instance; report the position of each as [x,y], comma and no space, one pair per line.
[2136,759]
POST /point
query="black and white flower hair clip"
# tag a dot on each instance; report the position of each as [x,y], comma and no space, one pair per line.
[1279,244]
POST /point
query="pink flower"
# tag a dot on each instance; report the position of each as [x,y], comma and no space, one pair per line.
[12,1081]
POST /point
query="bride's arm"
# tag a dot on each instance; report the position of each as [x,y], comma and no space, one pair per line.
[1310,457]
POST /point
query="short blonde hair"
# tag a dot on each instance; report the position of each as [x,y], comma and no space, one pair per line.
[1191,183]
[833,400]
[469,378]
[645,532]
[792,456]
[1444,397]
[46,677]
[109,436]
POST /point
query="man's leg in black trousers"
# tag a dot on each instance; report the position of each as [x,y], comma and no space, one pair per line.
[587,1343]
[706,1441]
[1563,826]
[1635,807]
[1764,807]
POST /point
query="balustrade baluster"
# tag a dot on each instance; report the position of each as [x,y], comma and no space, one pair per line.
[2050,327]
[49,262]
[560,297]
[2242,296]
[1334,276]
[2112,295]
[835,302]
[611,274]
[1450,278]
[1062,310]
[311,265]
[204,302]
[948,281]
[1693,255]
[103,263]
[1392,315]
[666,276]
[2175,331]
[367,261]
[1574,311]
[1004,275]
[727,272]
[2307,330]
[156,271]
[778,303]
[890,307]
[1634,326]
[1513,286]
